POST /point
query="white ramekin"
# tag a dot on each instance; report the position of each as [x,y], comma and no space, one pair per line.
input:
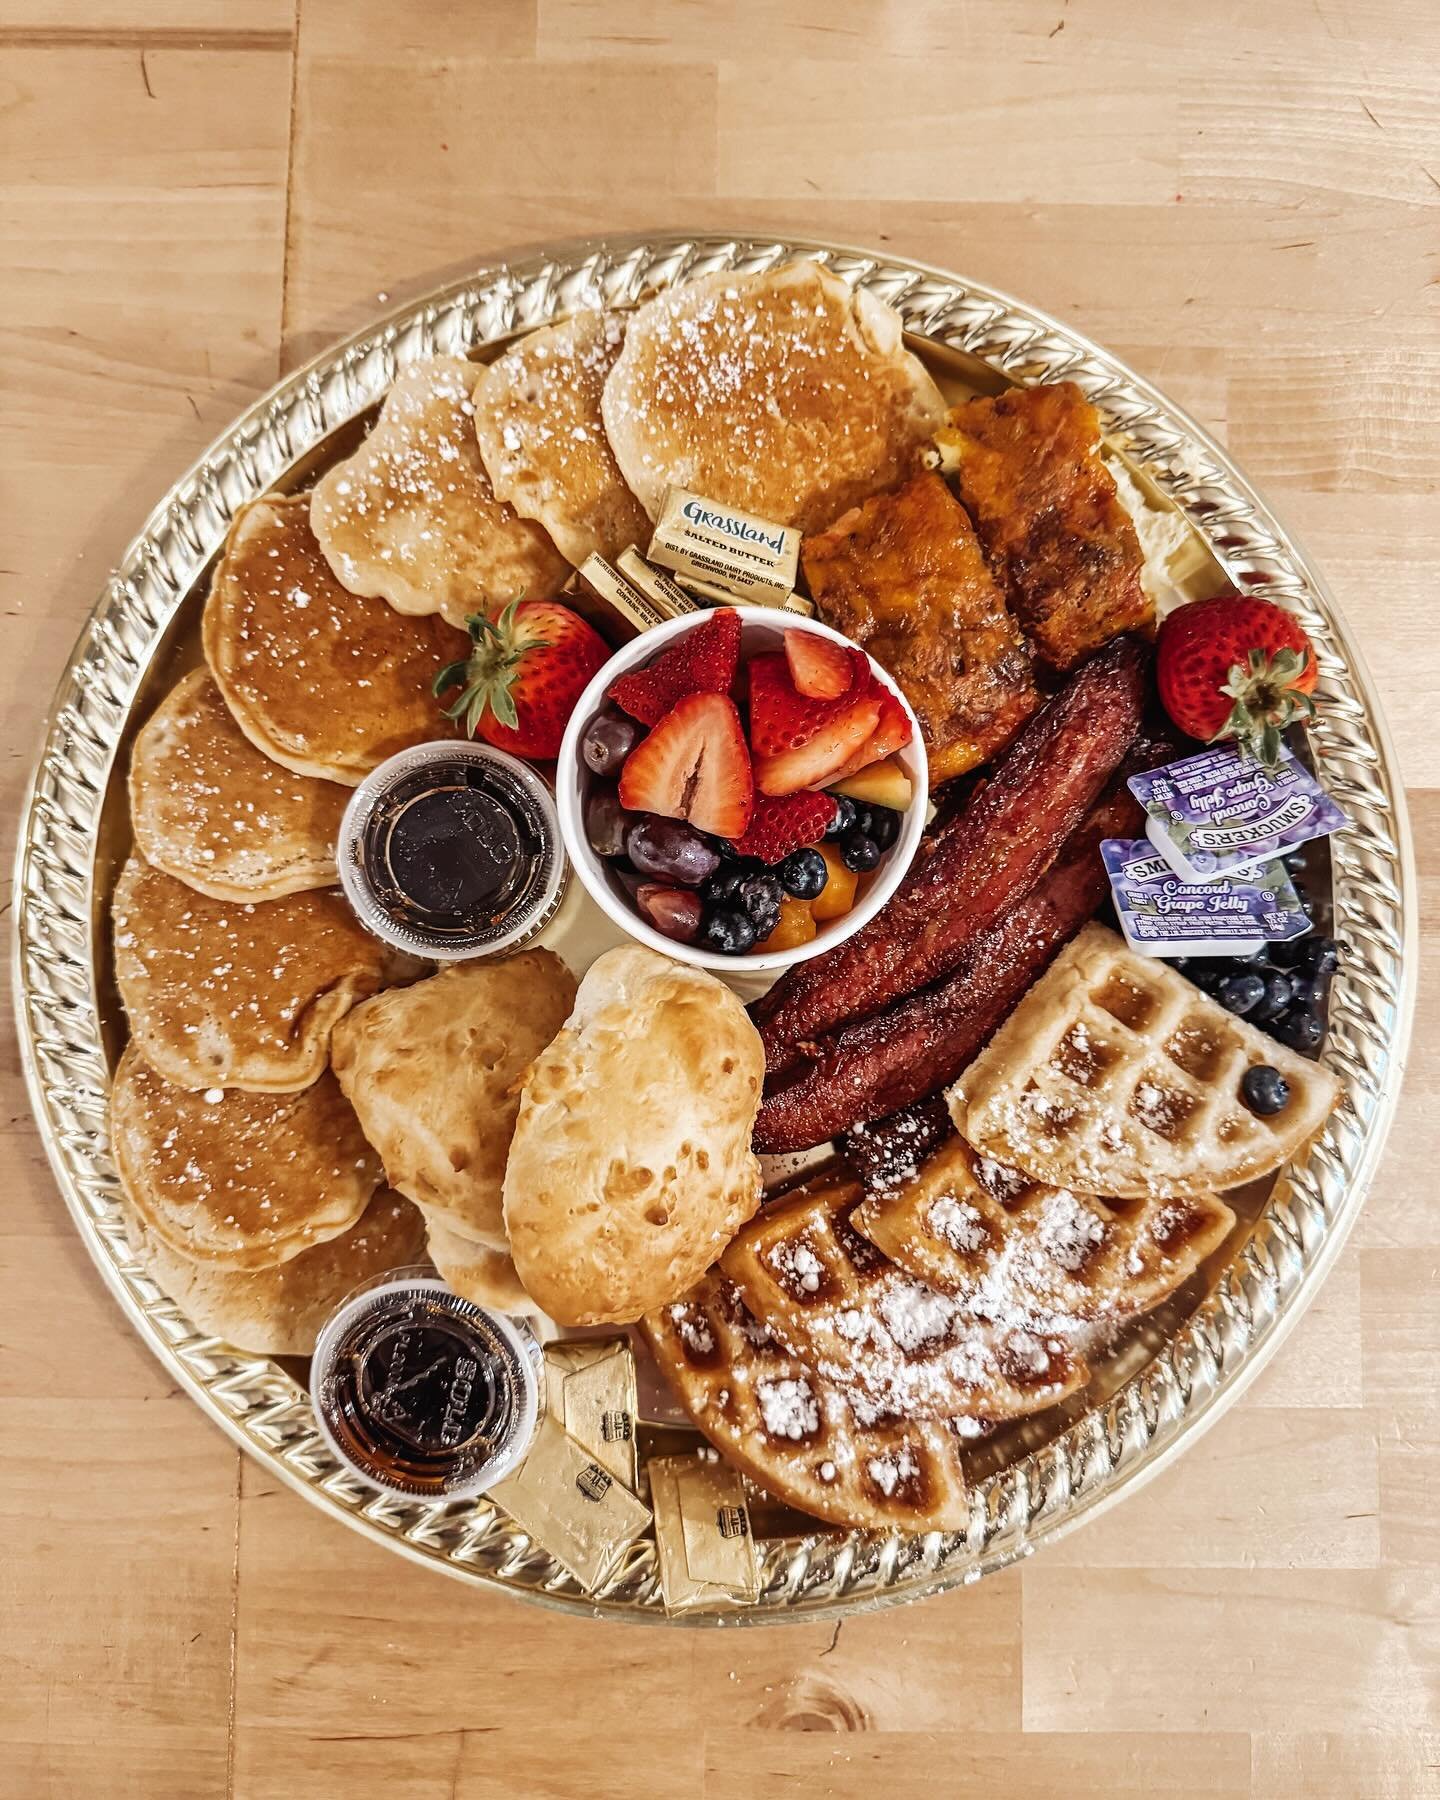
[762,629]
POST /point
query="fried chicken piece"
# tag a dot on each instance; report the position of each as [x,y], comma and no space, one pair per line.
[904,575]
[1028,468]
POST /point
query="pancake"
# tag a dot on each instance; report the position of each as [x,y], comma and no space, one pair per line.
[784,394]
[543,443]
[224,994]
[412,517]
[279,1311]
[476,1271]
[244,1181]
[434,1071]
[213,812]
[321,680]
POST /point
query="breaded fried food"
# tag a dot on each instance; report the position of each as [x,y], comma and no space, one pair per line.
[543,442]
[1028,468]
[904,575]
[787,394]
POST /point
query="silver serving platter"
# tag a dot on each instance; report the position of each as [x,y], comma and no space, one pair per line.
[1179,1372]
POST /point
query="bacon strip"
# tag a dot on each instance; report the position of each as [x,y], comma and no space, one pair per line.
[980,866]
[877,1065]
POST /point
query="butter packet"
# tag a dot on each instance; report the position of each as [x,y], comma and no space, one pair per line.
[590,1390]
[572,1506]
[611,602]
[1220,813]
[1231,915]
[724,553]
[667,597]
[702,1534]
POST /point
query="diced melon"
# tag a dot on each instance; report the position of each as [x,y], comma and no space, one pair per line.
[881,784]
[796,926]
[838,894]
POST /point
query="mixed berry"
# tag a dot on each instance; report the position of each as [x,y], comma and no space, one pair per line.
[740,804]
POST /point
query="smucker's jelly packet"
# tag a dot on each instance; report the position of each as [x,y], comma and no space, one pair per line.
[1231,915]
[1220,813]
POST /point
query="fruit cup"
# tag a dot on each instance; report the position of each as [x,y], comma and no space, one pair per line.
[763,630]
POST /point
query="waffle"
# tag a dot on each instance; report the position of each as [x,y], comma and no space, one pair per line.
[1115,1075]
[794,1432]
[970,1227]
[894,1345]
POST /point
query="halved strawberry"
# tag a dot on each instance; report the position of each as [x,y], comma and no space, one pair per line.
[820,668]
[785,824]
[700,661]
[781,717]
[694,765]
[823,753]
[892,733]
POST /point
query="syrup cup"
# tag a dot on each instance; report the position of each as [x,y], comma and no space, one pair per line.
[763,629]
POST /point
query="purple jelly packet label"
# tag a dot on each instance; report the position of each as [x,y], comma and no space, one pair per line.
[1220,812]
[1230,915]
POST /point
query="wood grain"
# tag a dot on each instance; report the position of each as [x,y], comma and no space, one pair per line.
[1241,200]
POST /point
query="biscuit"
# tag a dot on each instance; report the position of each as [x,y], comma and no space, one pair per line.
[434,1073]
[631,1168]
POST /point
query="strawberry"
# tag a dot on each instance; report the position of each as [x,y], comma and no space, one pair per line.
[788,823]
[891,734]
[1236,667]
[526,669]
[820,668]
[694,765]
[822,753]
[700,661]
[781,717]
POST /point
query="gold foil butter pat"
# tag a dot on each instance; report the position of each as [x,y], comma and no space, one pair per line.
[572,1507]
[610,602]
[727,554]
[702,1532]
[666,595]
[590,1389]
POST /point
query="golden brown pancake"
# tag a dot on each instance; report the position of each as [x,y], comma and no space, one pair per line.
[324,681]
[412,517]
[224,993]
[213,812]
[434,1071]
[279,1311]
[242,1180]
[543,443]
[785,394]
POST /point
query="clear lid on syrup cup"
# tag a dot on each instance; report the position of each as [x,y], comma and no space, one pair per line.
[451,850]
[422,1392]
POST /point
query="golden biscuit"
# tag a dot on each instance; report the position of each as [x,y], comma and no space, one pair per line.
[479,1272]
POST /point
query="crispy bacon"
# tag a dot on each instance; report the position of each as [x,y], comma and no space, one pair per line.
[876,1066]
[979,866]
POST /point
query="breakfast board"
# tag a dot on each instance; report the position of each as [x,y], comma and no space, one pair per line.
[1162,1379]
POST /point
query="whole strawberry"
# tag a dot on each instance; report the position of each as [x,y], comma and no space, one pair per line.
[526,669]
[1236,667]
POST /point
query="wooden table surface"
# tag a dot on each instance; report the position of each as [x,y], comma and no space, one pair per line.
[1244,201]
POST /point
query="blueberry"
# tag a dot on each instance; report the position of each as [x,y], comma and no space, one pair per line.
[1207,972]
[884,826]
[862,818]
[761,895]
[1241,993]
[1265,1090]
[844,816]
[723,885]
[1301,1029]
[804,874]
[729,931]
[859,852]
[1291,954]
[1309,991]
[1274,1001]
[1322,955]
